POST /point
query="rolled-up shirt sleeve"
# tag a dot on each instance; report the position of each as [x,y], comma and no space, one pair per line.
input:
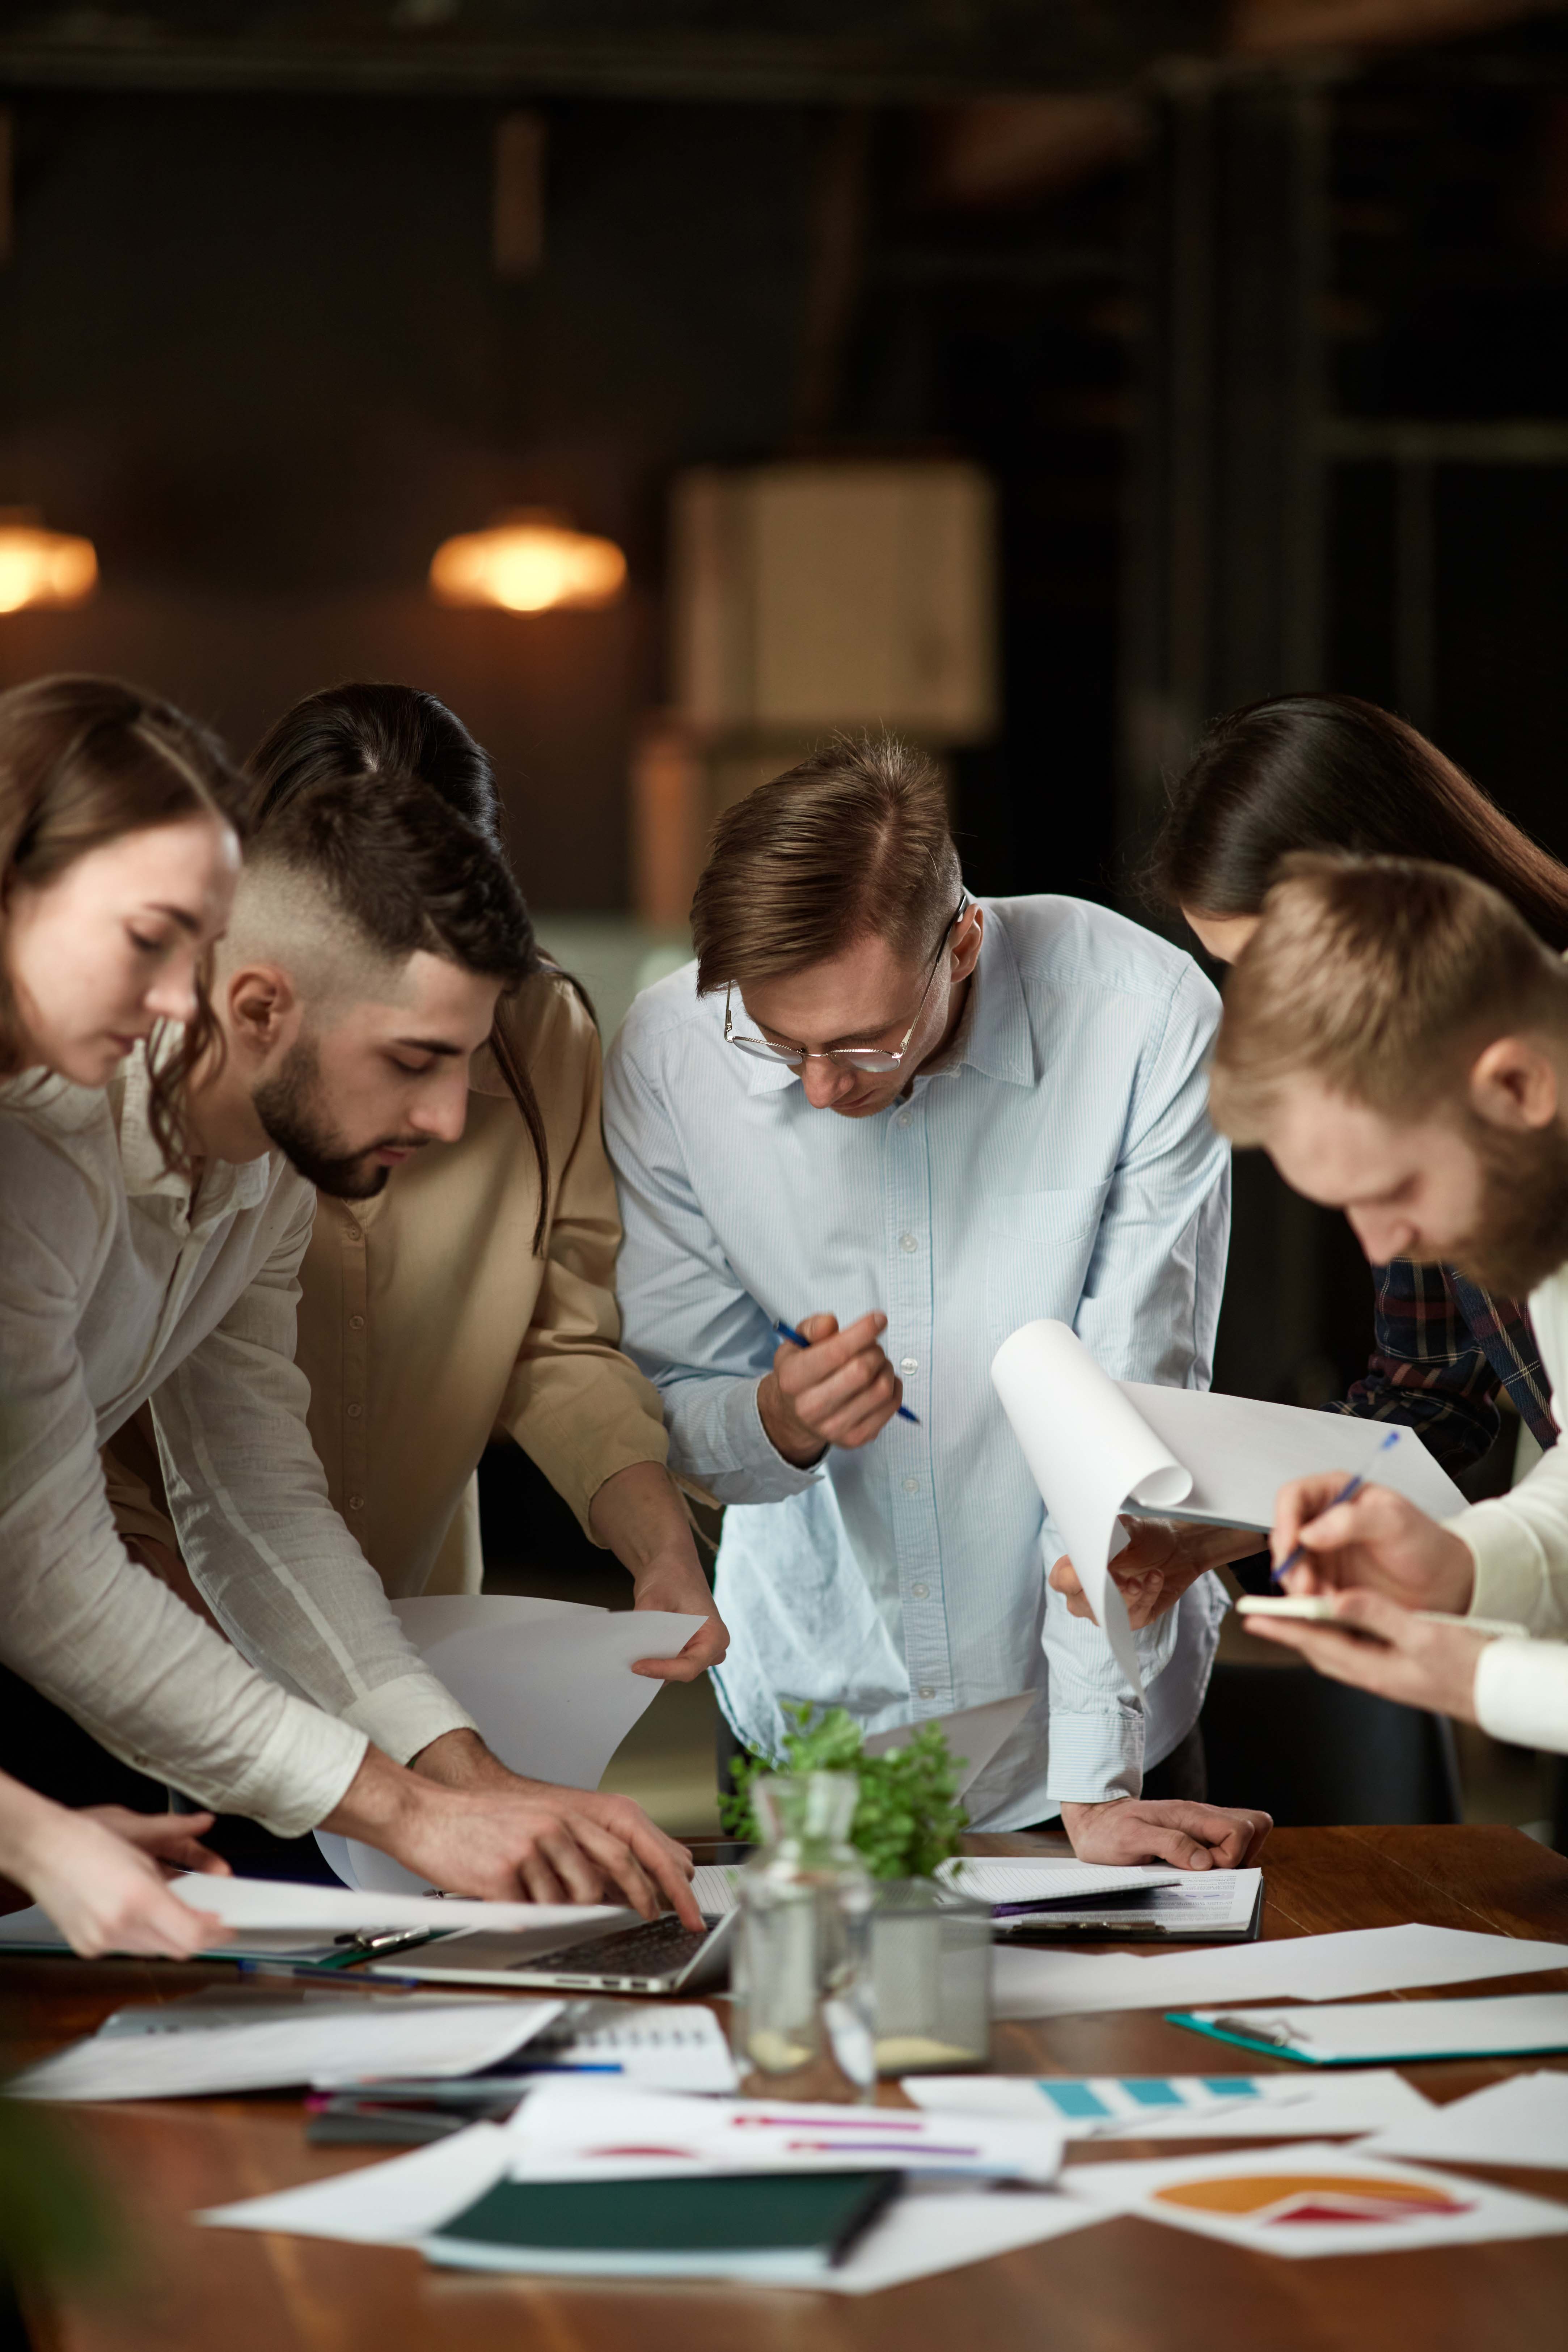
[1521,1693]
[83,1622]
[272,1559]
[686,1319]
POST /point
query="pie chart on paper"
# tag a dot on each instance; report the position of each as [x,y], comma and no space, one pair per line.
[1287,2200]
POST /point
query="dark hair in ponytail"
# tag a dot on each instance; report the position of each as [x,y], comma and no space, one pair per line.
[404,735]
[1327,771]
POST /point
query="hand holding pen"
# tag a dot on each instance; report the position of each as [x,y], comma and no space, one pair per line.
[828,1387]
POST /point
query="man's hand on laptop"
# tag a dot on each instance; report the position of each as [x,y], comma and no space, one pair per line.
[839,1391]
[1189,1836]
[461,1821]
[1162,1559]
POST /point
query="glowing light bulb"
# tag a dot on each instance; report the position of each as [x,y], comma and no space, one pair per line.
[529,563]
[42,567]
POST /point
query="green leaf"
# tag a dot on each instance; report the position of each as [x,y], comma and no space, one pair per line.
[908,1819]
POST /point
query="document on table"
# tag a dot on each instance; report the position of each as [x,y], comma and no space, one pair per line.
[548,1684]
[1182,2106]
[1348,2034]
[1041,1878]
[1522,2121]
[1314,2200]
[1194,1904]
[588,2129]
[659,2046]
[410,2200]
[1098,1448]
[342,2041]
[1304,1968]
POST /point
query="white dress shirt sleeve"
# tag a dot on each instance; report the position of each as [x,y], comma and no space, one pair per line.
[1521,1693]
[274,1562]
[90,1629]
[1520,1545]
[1150,1312]
[686,1319]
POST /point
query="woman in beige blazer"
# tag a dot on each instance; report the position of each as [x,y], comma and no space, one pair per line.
[474,1296]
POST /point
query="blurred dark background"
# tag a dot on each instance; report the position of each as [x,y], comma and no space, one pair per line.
[1251,317]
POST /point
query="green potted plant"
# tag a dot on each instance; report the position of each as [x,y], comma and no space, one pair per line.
[931,1947]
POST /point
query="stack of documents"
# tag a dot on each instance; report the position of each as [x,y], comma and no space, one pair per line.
[1032,1896]
[622,2183]
[344,2040]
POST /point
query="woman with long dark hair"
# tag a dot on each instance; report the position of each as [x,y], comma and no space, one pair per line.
[475,1296]
[118,857]
[1329,772]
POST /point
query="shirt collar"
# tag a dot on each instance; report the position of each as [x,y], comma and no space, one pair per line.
[993,1037]
[224,1186]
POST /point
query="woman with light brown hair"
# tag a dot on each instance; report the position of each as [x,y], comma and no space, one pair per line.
[119,847]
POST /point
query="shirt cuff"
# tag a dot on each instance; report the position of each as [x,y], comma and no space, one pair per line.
[1510,1561]
[1521,1693]
[404,1716]
[735,1458]
[300,1776]
[1095,1757]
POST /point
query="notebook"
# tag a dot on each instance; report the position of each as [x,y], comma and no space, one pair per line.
[787,2228]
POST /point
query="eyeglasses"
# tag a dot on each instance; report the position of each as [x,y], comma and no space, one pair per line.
[845,1057]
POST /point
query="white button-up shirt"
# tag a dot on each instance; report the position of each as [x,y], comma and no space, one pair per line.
[111,1291]
[1057,1162]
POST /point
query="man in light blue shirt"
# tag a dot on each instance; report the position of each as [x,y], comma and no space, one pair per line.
[876,1100]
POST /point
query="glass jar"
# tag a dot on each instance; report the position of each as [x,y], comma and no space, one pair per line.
[930,1974]
[800,1973]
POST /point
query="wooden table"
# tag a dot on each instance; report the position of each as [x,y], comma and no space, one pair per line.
[1124,2283]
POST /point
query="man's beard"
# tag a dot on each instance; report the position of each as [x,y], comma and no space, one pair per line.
[288,1104]
[1521,1233]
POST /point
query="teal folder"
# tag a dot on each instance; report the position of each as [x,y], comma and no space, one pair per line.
[784,2226]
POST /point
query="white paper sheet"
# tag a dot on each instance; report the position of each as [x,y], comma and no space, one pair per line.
[1306,1967]
[389,2204]
[1227,2106]
[1030,1878]
[1522,2121]
[1367,2206]
[658,2045]
[933,2229]
[975,1733]
[1100,1448]
[1090,1456]
[591,2130]
[1507,2025]
[1197,1904]
[548,1684]
[344,2042]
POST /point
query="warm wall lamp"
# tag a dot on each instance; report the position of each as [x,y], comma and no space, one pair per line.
[39,566]
[529,562]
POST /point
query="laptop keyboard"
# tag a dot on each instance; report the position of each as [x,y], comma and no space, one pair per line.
[657,1947]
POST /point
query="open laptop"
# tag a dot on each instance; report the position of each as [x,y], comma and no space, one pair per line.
[653,1956]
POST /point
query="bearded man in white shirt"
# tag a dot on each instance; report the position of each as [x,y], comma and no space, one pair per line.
[371,938]
[1396,1039]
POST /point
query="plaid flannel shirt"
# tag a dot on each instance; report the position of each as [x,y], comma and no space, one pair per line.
[1443,1349]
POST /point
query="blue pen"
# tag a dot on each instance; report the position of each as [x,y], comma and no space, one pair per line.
[1346,1494]
[798,1339]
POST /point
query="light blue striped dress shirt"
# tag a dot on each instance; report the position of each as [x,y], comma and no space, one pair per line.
[1059,1161]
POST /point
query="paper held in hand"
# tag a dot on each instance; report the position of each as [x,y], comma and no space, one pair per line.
[548,1684]
[1098,1448]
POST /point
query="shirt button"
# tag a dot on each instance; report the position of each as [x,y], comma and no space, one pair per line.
[355,1411]
[905,1117]
[911,1485]
[356,1322]
[356,1502]
[927,1690]
[922,1592]
[352,1234]
[907,1242]
[910,1364]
